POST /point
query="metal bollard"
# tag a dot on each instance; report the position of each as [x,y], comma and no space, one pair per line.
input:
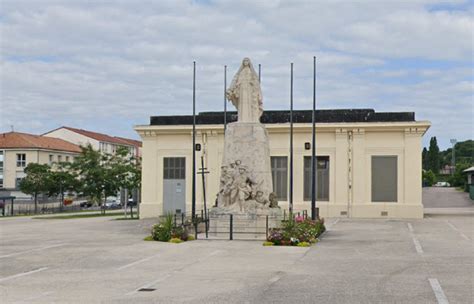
[182,218]
[231,228]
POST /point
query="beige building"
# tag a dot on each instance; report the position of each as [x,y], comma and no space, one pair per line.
[369,163]
[17,150]
[100,142]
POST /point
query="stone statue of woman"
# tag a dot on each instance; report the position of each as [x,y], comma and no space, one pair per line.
[245,93]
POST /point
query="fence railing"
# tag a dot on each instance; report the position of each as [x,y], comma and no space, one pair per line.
[232,226]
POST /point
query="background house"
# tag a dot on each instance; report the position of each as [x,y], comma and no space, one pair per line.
[99,141]
[17,150]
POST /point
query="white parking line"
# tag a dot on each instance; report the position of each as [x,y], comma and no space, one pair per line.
[30,250]
[438,291]
[410,227]
[332,224]
[138,262]
[274,279]
[457,230]
[418,247]
[22,274]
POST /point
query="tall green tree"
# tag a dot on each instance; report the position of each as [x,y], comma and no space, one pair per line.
[424,158]
[433,156]
[62,179]
[126,171]
[92,174]
[36,182]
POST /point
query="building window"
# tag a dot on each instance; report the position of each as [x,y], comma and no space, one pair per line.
[174,168]
[60,158]
[51,159]
[67,158]
[1,161]
[384,178]
[17,182]
[1,180]
[322,178]
[21,160]
[280,176]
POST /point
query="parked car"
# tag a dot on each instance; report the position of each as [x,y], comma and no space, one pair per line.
[86,204]
[442,184]
[111,203]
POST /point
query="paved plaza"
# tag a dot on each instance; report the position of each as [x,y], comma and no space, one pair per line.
[102,260]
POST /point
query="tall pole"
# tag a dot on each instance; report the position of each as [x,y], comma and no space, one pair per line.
[453,156]
[259,73]
[225,98]
[291,141]
[193,202]
[313,147]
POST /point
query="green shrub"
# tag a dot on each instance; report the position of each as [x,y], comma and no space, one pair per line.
[175,240]
[148,238]
[267,243]
[162,231]
[304,244]
[190,237]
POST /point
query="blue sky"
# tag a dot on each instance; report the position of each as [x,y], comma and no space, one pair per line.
[108,65]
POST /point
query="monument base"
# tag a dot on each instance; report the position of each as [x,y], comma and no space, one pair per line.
[246,161]
[254,210]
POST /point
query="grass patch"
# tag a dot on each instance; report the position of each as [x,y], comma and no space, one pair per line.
[148,238]
[75,216]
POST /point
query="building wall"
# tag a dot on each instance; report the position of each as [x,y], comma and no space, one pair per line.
[350,148]
[11,171]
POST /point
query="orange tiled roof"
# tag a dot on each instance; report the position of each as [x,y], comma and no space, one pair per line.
[134,142]
[105,137]
[24,140]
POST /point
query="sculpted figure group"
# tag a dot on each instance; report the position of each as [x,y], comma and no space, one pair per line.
[237,187]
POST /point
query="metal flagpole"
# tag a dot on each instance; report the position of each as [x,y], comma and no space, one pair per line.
[291,141]
[193,202]
[313,147]
[225,98]
[259,72]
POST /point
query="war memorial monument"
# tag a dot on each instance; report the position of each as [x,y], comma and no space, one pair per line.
[246,177]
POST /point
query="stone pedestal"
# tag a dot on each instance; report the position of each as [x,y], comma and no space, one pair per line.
[246,176]
[248,143]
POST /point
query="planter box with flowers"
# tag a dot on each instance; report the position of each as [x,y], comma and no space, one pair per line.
[298,231]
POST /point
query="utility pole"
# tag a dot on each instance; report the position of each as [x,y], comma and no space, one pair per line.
[453,155]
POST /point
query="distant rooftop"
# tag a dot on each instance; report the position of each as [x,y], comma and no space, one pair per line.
[102,137]
[12,140]
[299,116]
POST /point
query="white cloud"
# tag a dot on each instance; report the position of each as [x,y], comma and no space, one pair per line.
[108,65]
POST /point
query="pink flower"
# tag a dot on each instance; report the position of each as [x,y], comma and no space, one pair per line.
[299,219]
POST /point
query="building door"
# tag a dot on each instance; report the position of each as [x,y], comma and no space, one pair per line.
[174,185]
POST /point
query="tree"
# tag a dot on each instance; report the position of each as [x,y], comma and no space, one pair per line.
[433,156]
[424,157]
[459,178]
[36,181]
[91,174]
[429,178]
[125,170]
[62,179]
